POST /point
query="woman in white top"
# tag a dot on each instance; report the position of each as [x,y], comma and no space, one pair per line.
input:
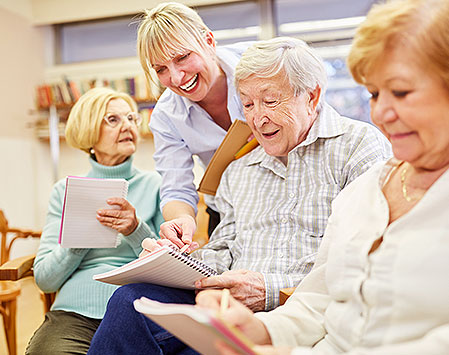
[194,113]
[380,285]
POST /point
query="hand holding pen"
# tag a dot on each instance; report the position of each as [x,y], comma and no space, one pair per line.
[233,313]
[179,231]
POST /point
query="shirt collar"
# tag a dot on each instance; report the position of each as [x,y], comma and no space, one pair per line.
[327,125]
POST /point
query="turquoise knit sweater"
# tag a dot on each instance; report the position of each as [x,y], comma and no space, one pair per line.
[70,271]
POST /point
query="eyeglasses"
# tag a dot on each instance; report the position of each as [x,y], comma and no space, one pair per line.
[115,119]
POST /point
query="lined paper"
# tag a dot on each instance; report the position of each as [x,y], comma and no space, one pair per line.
[83,197]
[165,267]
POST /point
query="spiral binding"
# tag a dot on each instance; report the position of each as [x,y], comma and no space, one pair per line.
[193,263]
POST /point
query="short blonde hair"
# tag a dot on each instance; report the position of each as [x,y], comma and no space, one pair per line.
[83,124]
[166,30]
[302,66]
[422,25]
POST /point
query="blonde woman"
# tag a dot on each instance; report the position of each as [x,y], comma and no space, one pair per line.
[192,116]
[383,288]
[103,123]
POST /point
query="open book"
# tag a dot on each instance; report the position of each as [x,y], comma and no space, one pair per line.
[83,197]
[199,328]
[234,140]
[164,266]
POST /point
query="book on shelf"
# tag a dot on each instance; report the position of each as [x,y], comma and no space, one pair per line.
[199,328]
[164,266]
[83,198]
[236,137]
[66,92]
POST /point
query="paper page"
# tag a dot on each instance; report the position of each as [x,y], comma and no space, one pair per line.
[198,328]
[160,267]
[79,225]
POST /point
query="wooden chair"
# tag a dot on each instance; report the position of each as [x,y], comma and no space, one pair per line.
[10,290]
[202,222]
[285,293]
[18,233]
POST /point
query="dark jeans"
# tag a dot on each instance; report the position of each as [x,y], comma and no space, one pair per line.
[214,219]
[125,331]
[63,333]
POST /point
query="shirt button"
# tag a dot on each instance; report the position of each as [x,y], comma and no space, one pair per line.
[281,255]
[291,194]
[284,220]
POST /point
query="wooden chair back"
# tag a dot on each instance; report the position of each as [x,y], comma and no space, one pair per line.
[18,233]
[9,291]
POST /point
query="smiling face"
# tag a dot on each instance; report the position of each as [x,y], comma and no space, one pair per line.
[411,107]
[116,144]
[188,73]
[279,119]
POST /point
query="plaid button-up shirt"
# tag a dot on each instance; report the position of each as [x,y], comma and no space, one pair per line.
[274,216]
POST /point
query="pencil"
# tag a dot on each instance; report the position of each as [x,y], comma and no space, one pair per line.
[253,143]
[224,303]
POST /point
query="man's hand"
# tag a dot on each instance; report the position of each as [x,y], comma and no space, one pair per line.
[246,286]
[149,245]
[123,219]
[180,231]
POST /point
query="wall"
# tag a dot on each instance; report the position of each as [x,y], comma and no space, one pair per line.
[21,68]
[26,168]
[57,11]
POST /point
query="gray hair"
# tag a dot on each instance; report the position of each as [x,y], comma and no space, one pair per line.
[302,66]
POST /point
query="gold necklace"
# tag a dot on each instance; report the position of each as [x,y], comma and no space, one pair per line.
[404,187]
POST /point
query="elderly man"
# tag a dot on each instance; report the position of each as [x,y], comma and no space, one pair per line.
[274,202]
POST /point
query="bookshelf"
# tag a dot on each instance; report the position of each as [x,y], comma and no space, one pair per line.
[62,94]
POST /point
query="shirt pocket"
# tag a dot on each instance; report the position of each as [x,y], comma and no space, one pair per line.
[314,208]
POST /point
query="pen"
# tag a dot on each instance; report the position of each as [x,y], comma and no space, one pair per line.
[253,143]
[224,304]
[184,248]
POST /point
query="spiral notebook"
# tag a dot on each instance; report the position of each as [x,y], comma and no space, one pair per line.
[83,197]
[165,267]
[197,327]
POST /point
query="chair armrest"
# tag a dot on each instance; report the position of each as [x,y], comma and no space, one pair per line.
[18,268]
[285,293]
[25,232]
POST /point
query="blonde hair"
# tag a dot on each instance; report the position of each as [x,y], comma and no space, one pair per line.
[300,63]
[83,124]
[165,31]
[422,25]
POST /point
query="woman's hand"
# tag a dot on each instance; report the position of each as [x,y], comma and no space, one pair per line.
[180,231]
[236,314]
[123,219]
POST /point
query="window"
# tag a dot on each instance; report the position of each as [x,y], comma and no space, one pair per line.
[94,40]
[116,37]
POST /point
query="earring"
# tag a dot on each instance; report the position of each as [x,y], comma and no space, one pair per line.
[92,151]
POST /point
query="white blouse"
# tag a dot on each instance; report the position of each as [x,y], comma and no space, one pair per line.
[392,301]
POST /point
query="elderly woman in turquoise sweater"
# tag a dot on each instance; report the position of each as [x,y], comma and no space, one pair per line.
[104,124]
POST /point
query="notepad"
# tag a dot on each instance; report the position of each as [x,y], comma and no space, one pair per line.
[199,328]
[165,267]
[83,197]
